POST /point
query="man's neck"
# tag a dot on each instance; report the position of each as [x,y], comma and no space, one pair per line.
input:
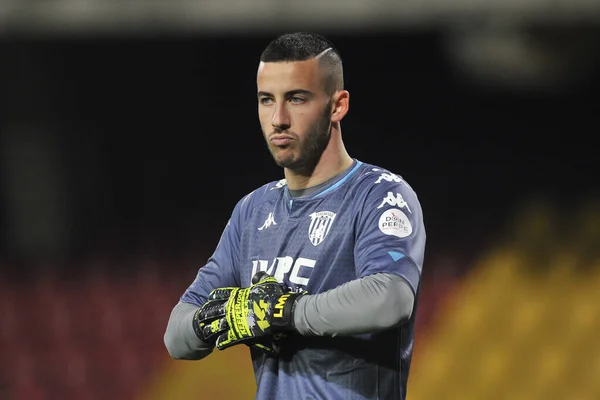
[326,168]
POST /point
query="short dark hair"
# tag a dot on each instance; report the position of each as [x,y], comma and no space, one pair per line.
[302,46]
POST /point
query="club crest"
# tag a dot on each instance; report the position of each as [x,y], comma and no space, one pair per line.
[320,224]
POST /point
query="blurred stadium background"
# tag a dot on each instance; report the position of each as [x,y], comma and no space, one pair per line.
[128,132]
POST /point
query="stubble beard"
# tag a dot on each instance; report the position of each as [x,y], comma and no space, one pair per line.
[308,152]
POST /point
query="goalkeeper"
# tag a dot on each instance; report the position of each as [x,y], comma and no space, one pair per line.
[317,273]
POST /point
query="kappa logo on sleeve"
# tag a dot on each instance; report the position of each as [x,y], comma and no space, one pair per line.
[279,184]
[395,201]
[395,223]
[388,177]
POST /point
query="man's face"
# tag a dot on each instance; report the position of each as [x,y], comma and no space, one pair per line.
[294,112]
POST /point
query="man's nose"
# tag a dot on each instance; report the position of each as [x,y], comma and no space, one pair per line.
[281,118]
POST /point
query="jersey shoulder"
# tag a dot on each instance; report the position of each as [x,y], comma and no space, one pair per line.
[371,177]
[266,193]
[375,185]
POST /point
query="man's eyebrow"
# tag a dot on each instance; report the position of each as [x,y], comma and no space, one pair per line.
[288,93]
[299,91]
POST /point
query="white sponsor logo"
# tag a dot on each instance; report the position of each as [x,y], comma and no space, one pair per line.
[395,223]
[279,184]
[299,270]
[389,177]
[395,201]
[320,225]
[268,222]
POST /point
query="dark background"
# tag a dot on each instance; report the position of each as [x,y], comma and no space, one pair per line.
[125,146]
[157,138]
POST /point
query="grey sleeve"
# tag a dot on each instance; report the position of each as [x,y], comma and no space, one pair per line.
[180,339]
[369,304]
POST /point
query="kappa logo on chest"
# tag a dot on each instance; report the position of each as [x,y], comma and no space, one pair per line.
[270,221]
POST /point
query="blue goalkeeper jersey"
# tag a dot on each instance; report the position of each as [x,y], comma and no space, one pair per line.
[365,221]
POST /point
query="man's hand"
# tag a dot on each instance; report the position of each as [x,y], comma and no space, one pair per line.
[250,315]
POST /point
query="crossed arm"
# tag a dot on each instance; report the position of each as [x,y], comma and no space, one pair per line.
[369,304]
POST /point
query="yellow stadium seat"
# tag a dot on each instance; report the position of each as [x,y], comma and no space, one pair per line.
[518,329]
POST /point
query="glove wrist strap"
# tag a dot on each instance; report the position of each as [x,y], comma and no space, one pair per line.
[283,314]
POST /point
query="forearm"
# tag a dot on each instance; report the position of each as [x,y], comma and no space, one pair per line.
[370,304]
[180,339]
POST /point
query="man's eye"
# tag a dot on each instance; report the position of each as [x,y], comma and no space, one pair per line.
[265,100]
[297,100]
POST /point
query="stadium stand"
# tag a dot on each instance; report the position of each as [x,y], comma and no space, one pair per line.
[521,324]
[524,323]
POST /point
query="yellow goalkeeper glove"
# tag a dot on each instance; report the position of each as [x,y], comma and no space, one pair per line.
[249,315]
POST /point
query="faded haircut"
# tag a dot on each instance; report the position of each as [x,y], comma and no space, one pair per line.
[302,46]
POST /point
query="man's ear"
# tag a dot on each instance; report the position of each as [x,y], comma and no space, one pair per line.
[340,105]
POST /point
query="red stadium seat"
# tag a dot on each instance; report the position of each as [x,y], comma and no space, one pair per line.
[94,335]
